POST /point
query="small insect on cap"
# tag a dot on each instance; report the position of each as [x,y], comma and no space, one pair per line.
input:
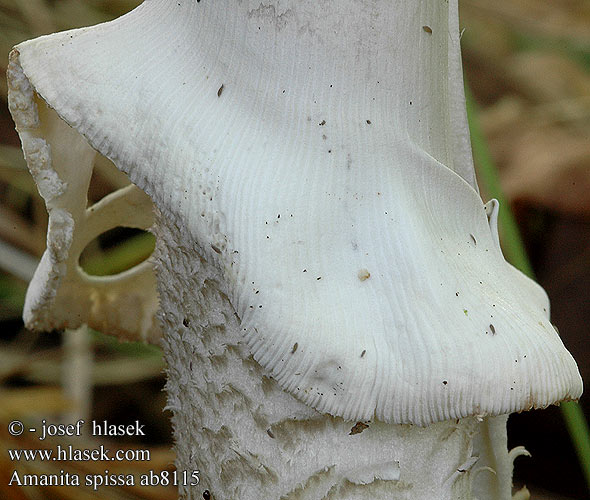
[318,154]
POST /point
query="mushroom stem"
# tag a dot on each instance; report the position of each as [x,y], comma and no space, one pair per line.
[250,440]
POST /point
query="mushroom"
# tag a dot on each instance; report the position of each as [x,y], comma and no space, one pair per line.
[338,319]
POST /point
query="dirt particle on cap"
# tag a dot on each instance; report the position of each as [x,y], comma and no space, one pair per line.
[364,274]
[358,428]
[220,91]
[427,29]
[295,346]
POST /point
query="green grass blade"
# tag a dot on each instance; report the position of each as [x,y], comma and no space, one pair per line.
[512,244]
[122,257]
[577,426]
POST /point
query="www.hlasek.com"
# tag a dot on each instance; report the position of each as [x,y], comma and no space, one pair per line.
[70,453]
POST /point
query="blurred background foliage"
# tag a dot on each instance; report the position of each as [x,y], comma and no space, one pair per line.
[527,63]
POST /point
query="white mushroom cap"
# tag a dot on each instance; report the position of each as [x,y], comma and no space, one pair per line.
[338,198]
